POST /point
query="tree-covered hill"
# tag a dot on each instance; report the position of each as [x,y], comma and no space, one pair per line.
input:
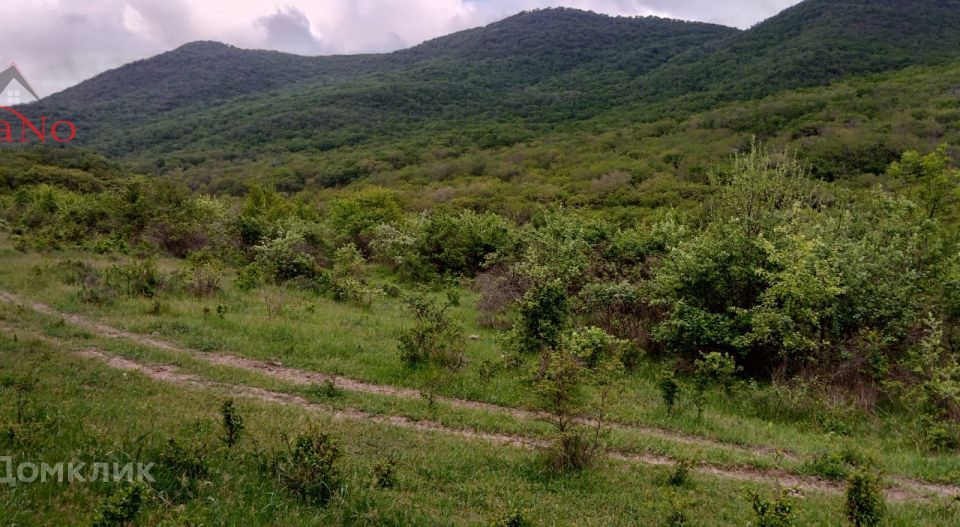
[811,44]
[561,77]
[162,102]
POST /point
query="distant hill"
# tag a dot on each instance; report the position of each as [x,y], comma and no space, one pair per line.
[811,44]
[545,72]
[199,72]
[475,73]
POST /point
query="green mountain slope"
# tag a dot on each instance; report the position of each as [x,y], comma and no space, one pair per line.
[560,77]
[811,44]
[552,64]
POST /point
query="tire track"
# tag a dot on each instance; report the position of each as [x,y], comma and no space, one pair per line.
[902,488]
[303,377]
[170,374]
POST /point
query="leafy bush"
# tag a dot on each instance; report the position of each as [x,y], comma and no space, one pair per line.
[836,466]
[135,278]
[543,316]
[121,508]
[559,389]
[355,218]
[713,369]
[205,274]
[434,338]
[621,309]
[249,277]
[934,390]
[308,469]
[292,253]
[865,505]
[348,261]
[669,389]
[773,513]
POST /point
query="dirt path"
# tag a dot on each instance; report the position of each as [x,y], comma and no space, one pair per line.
[169,374]
[902,489]
[303,377]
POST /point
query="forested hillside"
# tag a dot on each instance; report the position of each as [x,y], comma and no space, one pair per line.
[178,101]
[483,89]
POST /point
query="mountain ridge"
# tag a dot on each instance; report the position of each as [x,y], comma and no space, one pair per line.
[493,86]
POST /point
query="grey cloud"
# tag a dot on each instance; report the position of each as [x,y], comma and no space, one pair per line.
[58,49]
[289,30]
[738,14]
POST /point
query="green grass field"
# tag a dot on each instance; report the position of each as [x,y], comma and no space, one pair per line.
[457,463]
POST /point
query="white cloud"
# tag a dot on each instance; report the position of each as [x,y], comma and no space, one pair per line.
[60,42]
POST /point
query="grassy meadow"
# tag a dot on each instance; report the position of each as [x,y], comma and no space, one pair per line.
[80,409]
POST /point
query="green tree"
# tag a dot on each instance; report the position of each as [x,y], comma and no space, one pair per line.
[931,179]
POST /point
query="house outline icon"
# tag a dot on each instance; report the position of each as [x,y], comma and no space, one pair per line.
[11,82]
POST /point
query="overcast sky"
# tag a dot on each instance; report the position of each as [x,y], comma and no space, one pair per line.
[57,43]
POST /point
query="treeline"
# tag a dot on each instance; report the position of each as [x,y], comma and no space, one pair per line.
[786,275]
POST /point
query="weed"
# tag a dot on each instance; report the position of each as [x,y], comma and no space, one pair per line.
[680,474]
[385,473]
[233,423]
[325,390]
[836,466]
[308,469]
[513,517]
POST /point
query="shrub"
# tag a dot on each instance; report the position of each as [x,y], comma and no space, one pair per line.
[680,474]
[291,254]
[713,368]
[135,278]
[934,389]
[498,288]
[435,337]
[836,466]
[596,347]
[354,218]
[865,506]
[773,513]
[205,274]
[348,261]
[22,386]
[180,469]
[669,389]
[249,277]
[558,387]
[325,390]
[233,423]
[121,508]
[543,316]
[619,308]
[308,469]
